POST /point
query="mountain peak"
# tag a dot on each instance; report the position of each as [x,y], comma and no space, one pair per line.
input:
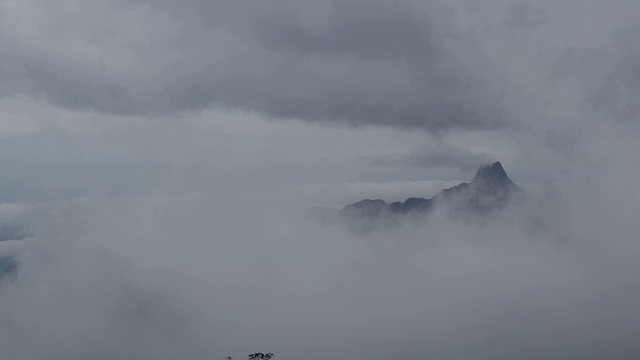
[492,173]
[490,190]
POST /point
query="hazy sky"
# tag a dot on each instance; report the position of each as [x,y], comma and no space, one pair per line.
[165,154]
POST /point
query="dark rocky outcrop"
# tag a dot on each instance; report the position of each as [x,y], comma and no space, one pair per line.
[490,190]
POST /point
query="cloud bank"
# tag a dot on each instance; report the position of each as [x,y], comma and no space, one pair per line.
[431,65]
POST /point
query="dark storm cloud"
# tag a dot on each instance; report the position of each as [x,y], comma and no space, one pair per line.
[373,62]
[524,16]
[367,63]
[79,89]
[369,31]
[432,65]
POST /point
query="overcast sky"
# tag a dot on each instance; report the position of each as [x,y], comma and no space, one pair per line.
[165,153]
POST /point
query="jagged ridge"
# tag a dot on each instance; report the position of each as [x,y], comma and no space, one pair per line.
[491,189]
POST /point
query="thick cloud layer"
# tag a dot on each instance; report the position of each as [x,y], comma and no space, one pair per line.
[433,65]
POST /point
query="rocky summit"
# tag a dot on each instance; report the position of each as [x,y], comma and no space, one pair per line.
[490,190]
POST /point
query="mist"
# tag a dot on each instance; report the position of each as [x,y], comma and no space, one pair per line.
[164,169]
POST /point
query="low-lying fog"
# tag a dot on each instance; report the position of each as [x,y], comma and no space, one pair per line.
[204,259]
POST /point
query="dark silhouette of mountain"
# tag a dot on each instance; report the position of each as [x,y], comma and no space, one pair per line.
[367,208]
[491,189]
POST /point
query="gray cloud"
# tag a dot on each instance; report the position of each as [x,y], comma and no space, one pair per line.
[430,65]
[355,62]
[374,31]
[444,157]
